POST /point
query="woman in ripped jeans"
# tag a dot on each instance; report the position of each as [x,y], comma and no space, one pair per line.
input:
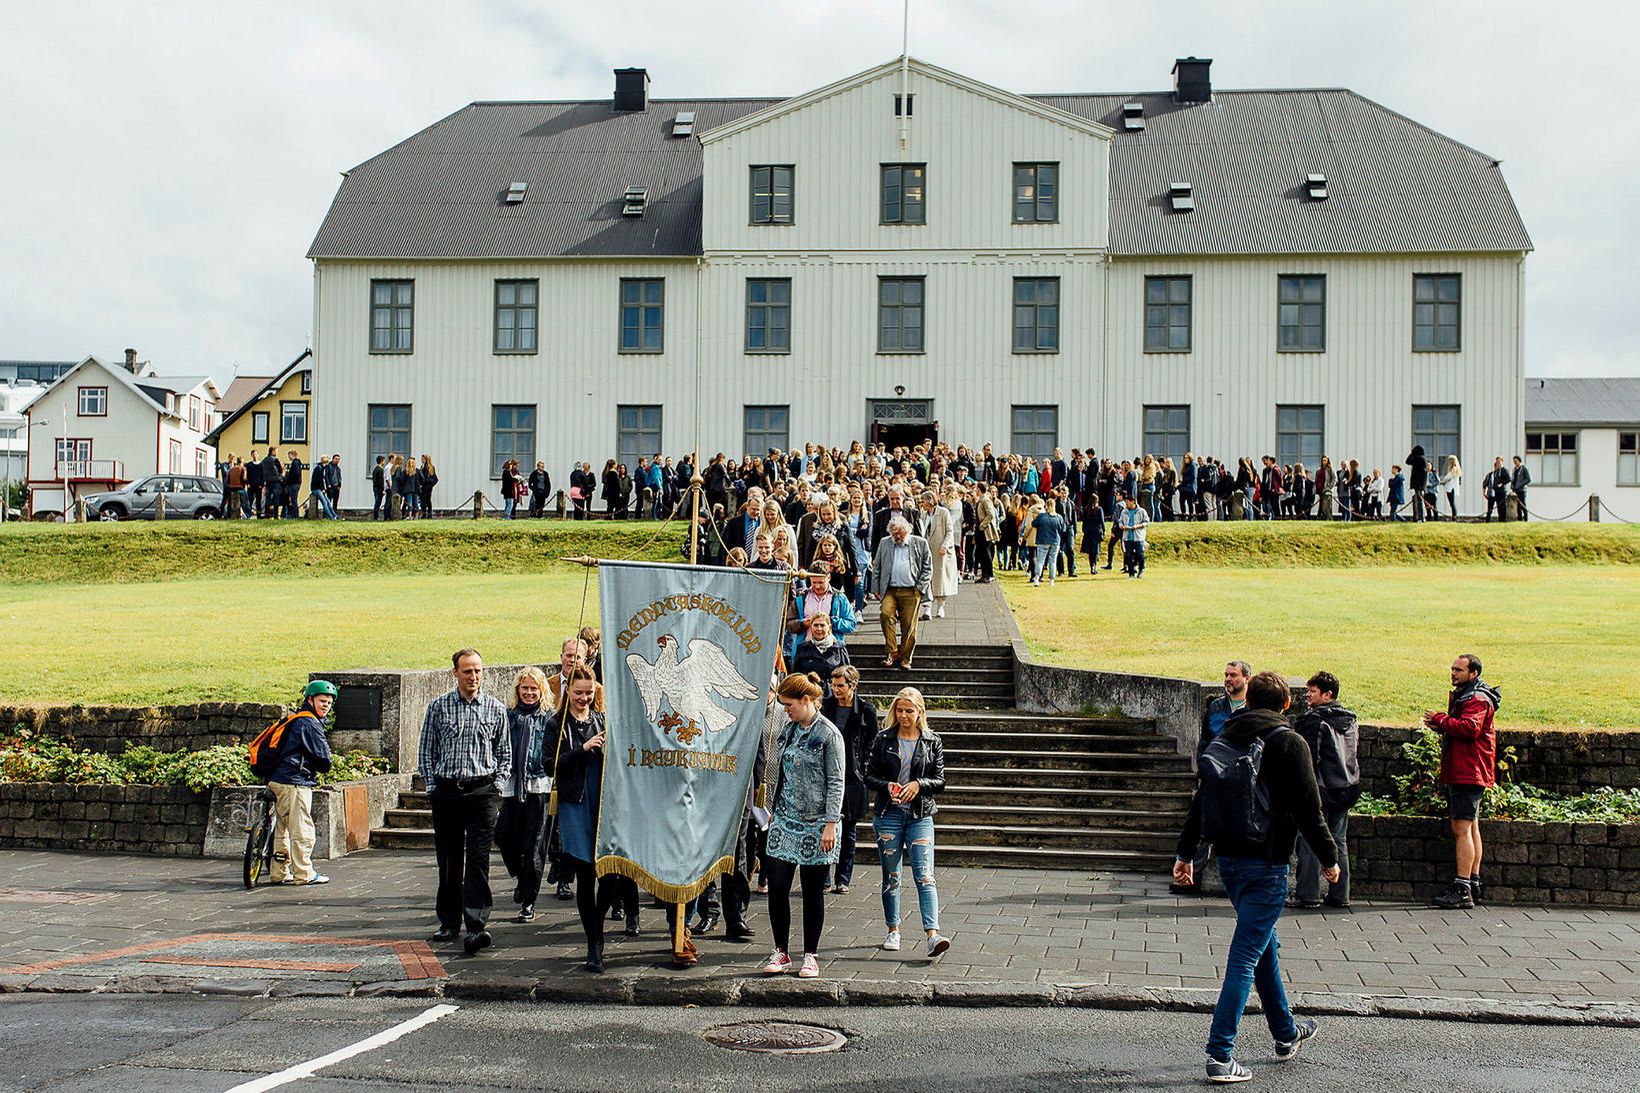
[906,768]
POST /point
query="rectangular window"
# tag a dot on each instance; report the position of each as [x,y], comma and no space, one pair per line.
[772,195]
[643,307]
[174,451]
[900,314]
[389,432]
[1167,314]
[392,316]
[1437,301]
[195,412]
[1301,314]
[1552,458]
[1035,431]
[259,426]
[903,193]
[766,427]
[1036,314]
[307,383]
[1628,459]
[1437,429]
[1300,435]
[637,433]
[1167,432]
[515,315]
[1036,193]
[93,402]
[293,422]
[202,462]
[73,457]
[512,436]
[769,315]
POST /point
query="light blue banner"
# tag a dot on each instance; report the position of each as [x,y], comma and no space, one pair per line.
[688,651]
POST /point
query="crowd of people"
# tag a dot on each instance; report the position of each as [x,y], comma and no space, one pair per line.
[266,487]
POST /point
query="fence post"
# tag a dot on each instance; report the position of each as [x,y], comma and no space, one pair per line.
[478,504]
[79,510]
[1594,508]
[159,506]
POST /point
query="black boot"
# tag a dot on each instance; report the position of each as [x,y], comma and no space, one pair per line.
[595,956]
[1475,889]
[564,890]
[1455,898]
[632,926]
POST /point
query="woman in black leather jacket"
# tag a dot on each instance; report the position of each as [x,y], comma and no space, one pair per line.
[906,769]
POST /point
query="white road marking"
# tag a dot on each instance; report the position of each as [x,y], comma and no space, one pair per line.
[370,1043]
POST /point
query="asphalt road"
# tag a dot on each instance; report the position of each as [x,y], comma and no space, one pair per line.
[112,1043]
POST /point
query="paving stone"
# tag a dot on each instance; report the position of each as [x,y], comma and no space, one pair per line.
[685,991]
[992,994]
[887,992]
[400,988]
[788,990]
[582,987]
[489,987]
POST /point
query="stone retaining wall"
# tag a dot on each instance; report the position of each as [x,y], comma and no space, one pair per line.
[111,729]
[1559,760]
[1410,857]
[133,819]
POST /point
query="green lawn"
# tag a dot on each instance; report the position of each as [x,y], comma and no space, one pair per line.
[1558,640]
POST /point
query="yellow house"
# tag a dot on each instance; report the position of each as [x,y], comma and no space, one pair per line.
[280,416]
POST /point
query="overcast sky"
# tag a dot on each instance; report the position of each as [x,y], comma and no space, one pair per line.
[164,166]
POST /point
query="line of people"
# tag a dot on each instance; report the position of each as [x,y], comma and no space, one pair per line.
[267,487]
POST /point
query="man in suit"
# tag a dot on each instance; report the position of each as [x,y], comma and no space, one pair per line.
[741,529]
[573,655]
[1517,485]
[904,572]
[896,507]
[1495,486]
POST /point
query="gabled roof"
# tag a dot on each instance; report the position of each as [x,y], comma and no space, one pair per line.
[120,376]
[1394,186]
[266,387]
[1610,402]
[240,391]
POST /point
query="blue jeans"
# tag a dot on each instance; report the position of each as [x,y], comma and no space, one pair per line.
[325,506]
[1046,554]
[1258,892]
[897,837]
[508,507]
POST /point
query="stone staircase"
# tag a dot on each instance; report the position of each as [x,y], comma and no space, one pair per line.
[1031,790]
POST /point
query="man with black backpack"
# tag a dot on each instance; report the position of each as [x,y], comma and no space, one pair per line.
[295,758]
[1255,791]
[1333,736]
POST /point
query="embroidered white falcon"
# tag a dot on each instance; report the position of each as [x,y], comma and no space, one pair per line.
[688,684]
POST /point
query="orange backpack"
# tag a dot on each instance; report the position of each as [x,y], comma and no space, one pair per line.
[264,750]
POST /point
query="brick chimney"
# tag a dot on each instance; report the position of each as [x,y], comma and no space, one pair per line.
[131,361]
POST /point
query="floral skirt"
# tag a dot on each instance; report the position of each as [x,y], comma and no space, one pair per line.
[798,841]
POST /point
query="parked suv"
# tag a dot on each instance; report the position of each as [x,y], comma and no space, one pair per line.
[186,496]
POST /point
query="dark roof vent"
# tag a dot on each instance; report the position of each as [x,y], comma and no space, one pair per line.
[634,201]
[1191,82]
[1316,186]
[631,89]
[1133,116]
[1182,197]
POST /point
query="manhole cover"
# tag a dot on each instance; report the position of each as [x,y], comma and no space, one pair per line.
[776,1038]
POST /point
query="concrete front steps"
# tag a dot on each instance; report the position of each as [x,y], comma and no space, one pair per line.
[1022,789]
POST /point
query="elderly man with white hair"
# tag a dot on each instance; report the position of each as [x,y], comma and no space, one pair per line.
[903,570]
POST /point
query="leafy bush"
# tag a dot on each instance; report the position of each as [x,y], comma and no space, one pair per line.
[29,757]
[1418,792]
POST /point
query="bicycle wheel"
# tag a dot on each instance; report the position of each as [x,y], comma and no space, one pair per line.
[258,848]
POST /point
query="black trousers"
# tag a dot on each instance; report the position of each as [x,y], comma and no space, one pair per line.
[985,557]
[521,836]
[463,830]
[781,874]
[594,895]
[844,873]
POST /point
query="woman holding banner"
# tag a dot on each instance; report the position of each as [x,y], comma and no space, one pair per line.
[906,766]
[578,775]
[808,807]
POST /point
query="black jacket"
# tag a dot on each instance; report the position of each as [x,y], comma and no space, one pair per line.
[1333,736]
[882,766]
[859,729]
[1520,479]
[1288,774]
[570,757]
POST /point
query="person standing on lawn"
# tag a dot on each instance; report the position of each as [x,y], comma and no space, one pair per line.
[1333,736]
[304,753]
[1132,521]
[1469,764]
[465,754]
[1255,792]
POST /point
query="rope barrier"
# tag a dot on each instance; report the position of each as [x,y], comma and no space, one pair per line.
[1614,515]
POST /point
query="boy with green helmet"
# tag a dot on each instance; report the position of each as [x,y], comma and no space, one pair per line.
[304,754]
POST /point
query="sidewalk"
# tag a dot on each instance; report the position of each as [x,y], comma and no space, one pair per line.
[1019,937]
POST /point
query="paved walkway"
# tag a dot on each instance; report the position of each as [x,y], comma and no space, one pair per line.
[114,922]
[977,615]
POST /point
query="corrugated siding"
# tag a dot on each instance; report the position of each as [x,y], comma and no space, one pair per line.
[1368,379]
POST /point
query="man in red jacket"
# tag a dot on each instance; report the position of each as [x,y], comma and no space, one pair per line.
[1469,756]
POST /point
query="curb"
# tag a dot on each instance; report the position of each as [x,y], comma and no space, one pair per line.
[787,992]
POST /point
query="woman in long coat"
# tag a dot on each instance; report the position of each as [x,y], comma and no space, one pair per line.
[942,544]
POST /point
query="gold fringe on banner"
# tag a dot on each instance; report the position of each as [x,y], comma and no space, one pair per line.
[666,893]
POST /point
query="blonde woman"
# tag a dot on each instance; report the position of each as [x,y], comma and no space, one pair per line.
[425,481]
[520,830]
[905,767]
[1452,483]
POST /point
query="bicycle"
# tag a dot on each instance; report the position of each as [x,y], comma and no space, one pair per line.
[259,838]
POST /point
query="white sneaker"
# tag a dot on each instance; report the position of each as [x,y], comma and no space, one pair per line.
[891,943]
[779,963]
[810,968]
[938,944]
[940,614]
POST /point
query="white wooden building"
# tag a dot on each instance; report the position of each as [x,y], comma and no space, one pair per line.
[1298,273]
[103,425]
[1582,441]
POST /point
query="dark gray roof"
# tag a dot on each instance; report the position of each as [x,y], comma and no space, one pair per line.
[1394,186]
[1583,402]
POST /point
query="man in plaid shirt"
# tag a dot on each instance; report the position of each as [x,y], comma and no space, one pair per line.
[465,753]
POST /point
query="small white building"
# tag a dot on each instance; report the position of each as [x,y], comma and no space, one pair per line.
[1581,442]
[102,425]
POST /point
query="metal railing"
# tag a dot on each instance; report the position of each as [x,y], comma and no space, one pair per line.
[90,470]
